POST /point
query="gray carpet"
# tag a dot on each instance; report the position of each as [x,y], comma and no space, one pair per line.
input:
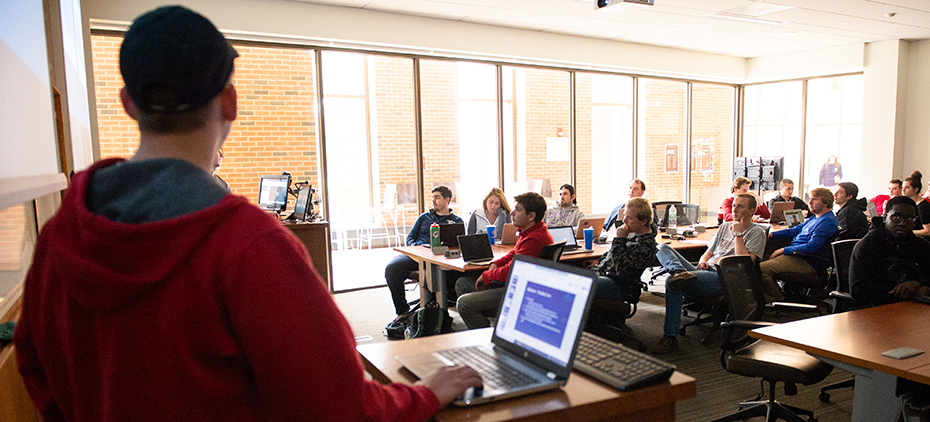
[718,391]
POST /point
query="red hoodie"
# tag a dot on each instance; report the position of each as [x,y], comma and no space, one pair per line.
[215,315]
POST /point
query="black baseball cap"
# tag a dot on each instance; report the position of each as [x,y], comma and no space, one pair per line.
[173,59]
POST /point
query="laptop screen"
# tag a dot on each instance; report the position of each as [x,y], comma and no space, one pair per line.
[566,233]
[449,234]
[544,308]
[475,247]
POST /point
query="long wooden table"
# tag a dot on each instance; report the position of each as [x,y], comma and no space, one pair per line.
[854,341]
[581,399]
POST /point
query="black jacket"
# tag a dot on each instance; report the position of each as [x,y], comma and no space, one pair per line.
[852,220]
[878,264]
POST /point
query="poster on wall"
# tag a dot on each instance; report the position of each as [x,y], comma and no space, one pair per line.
[557,149]
[671,158]
[702,158]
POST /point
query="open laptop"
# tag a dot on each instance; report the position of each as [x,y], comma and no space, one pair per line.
[778,211]
[793,217]
[536,336]
[596,223]
[449,234]
[476,248]
[567,233]
[510,234]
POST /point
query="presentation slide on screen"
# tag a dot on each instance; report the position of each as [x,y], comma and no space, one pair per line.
[273,191]
[542,310]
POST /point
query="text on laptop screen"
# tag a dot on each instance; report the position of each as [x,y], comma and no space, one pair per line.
[542,310]
[566,233]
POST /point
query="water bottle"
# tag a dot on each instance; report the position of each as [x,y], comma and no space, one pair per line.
[434,235]
[672,216]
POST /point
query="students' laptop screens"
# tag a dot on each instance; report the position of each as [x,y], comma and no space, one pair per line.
[778,211]
[510,235]
[595,223]
[538,326]
[793,218]
[449,234]
[567,233]
[476,248]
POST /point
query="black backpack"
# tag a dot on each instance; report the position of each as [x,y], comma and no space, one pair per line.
[429,321]
[396,329]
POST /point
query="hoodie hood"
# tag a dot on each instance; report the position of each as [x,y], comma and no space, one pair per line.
[860,204]
[120,262]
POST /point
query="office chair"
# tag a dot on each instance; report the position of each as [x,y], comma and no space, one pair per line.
[608,317]
[842,300]
[741,355]
[553,252]
[805,288]
[662,208]
[686,214]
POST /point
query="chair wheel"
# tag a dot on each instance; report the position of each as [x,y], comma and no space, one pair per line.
[825,397]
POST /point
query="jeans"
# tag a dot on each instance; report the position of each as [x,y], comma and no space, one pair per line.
[476,307]
[396,274]
[707,285]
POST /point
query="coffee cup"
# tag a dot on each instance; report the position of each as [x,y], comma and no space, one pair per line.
[490,229]
[589,238]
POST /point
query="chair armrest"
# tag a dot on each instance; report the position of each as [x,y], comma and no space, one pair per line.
[745,325]
[791,306]
[842,296]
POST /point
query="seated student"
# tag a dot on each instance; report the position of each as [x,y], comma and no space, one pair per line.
[630,253]
[890,263]
[911,189]
[741,185]
[480,297]
[853,224]
[152,300]
[785,194]
[217,162]
[894,189]
[737,237]
[807,239]
[637,190]
[495,210]
[401,266]
[565,212]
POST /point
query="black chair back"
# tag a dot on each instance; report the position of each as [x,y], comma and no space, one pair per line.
[742,286]
[842,254]
[662,208]
[686,214]
[553,252]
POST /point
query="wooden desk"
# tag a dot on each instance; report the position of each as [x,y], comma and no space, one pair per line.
[581,399]
[316,238]
[432,279]
[854,341]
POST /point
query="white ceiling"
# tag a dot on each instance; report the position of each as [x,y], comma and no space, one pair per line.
[786,25]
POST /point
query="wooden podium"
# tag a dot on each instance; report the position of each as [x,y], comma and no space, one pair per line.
[316,238]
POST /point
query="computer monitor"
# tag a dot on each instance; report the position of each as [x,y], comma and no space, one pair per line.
[303,208]
[272,192]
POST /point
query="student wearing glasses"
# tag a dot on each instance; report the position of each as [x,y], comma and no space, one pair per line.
[890,263]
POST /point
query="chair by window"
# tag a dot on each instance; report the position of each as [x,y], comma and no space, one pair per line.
[686,214]
[742,355]
[553,252]
[662,208]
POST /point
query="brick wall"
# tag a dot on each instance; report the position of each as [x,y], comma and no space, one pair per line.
[12,232]
[711,124]
[662,121]
[275,130]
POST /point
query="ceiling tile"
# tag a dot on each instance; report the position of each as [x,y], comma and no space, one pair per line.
[425,8]
[524,19]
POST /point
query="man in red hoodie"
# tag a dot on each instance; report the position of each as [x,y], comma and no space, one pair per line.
[149,297]
[479,299]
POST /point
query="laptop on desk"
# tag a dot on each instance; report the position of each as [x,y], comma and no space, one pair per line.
[476,249]
[567,233]
[778,211]
[539,324]
[595,223]
[510,235]
[449,234]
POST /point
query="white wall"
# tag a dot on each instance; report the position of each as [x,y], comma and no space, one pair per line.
[806,64]
[916,146]
[318,24]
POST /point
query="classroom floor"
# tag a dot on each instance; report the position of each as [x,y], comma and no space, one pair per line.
[718,391]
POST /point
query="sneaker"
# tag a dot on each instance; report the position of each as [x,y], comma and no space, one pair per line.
[665,345]
[680,281]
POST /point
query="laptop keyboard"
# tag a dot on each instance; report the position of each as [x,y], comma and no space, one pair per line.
[493,373]
[618,365]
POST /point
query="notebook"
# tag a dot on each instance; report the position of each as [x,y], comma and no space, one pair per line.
[449,234]
[538,327]
[567,233]
[596,223]
[778,211]
[476,248]
[510,235]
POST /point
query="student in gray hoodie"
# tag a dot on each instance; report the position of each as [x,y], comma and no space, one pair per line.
[565,212]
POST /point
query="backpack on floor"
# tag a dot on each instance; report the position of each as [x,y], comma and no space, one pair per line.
[396,329]
[429,321]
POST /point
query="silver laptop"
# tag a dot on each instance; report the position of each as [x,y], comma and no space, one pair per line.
[476,248]
[538,327]
[793,217]
[567,233]
[778,211]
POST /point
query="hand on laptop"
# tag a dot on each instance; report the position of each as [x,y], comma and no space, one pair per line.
[449,382]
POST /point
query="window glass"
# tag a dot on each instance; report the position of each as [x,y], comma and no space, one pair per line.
[661,138]
[834,130]
[772,125]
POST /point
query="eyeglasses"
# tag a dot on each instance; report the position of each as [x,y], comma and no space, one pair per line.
[903,218]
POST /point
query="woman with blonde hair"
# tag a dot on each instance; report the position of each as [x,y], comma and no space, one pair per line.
[494,210]
[741,185]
